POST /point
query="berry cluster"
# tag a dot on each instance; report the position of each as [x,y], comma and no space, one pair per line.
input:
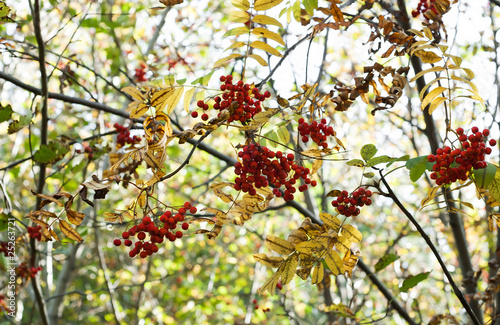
[23,271]
[145,248]
[317,131]
[423,6]
[348,205]
[261,167]
[140,73]
[35,232]
[248,100]
[124,136]
[452,165]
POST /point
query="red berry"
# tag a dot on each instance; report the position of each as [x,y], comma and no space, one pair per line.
[204,117]
[193,210]
[492,142]
[178,234]
[194,114]
[474,129]
[185,226]
[117,242]
[200,103]
[141,235]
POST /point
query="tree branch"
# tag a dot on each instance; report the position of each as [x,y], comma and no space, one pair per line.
[410,217]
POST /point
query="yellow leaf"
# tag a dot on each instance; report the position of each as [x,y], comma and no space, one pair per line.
[217,189]
[139,111]
[494,186]
[74,217]
[427,56]
[53,234]
[174,99]
[265,47]
[428,33]
[271,261]
[235,45]
[330,220]
[238,16]
[435,103]
[318,273]
[433,192]
[317,163]
[270,284]
[187,98]
[351,233]
[241,4]
[421,73]
[259,31]
[343,244]
[40,222]
[266,20]
[265,4]
[160,98]
[141,200]
[289,269]
[284,135]
[350,261]
[334,262]
[236,31]
[219,63]
[263,117]
[219,214]
[297,236]
[259,59]
[431,95]
[308,247]
[134,92]
[69,231]
[279,245]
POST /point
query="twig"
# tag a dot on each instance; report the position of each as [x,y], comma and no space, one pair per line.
[410,217]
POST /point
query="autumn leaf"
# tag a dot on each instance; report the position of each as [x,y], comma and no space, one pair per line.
[334,262]
[297,236]
[351,233]
[289,268]
[74,217]
[427,56]
[266,20]
[318,273]
[270,284]
[265,4]
[265,47]
[217,189]
[271,261]
[331,221]
[69,231]
[219,63]
[241,4]
[259,31]
[308,247]
[279,245]
[343,244]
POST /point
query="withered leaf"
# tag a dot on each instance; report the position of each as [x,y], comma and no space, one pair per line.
[289,268]
[69,231]
[271,261]
[279,245]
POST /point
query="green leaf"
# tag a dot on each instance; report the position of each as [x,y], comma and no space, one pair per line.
[413,281]
[410,163]
[384,261]
[494,186]
[368,151]
[378,160]
[5,113]
[483,177]
[402,158]
[17,125]
[356,162]
[369,175]
[417,171]
[48,154]
[283,134]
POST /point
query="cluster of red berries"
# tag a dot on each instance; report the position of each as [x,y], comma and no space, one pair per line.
[124,136]
[261,167]
[24,271]
[423,6]
[145,248]
[5,249]
[317,131]
[249,100]
[35,232]
[256,306]
[348,205]
[452,165]
[140,73]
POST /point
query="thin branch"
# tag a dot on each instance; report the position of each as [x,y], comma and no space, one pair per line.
[410,217]
[35,9]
